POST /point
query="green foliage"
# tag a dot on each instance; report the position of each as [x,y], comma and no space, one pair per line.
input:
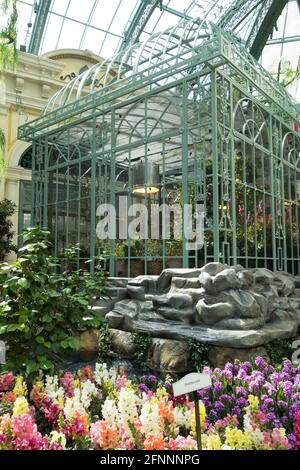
[41,311]
[8,36]
[7,209]
[104,341]
[278,350]
[286,74]
[199,354]
[142,345]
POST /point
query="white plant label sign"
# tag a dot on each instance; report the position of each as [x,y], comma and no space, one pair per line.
[190,383]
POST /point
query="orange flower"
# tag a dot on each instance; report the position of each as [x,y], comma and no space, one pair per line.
[155,442]
[37,396]
[104,435]
[166,412]
[9,397]
[4,423]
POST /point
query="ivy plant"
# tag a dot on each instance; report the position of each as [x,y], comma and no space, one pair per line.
[7,209]
[199,354]
[41,311]
[142,344]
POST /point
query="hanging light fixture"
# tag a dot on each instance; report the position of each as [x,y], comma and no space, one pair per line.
[146,178]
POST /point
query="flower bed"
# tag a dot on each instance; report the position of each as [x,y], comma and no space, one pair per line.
[248,407]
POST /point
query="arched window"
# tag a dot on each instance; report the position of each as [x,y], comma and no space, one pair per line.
[26,159]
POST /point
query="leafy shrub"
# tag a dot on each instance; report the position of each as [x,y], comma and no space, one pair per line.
[142,344]
[278,350]
[104,341]
[41,310]
[199,354]
[7,209]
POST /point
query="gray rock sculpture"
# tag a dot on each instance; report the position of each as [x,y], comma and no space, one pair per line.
[217,304]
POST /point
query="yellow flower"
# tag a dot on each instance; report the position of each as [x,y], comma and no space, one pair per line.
[154,400]
[237,439]
[60,402]
[21,406]
[202,411]
[76,383]
[20,388]
[161,392]
[253,401]
[213,442]
[39,384]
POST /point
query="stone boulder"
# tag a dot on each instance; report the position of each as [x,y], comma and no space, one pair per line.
[89,345]
[218,356]
[121,344]
[169,356]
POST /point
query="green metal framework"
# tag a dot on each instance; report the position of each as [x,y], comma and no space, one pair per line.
[39,26]
[221,129]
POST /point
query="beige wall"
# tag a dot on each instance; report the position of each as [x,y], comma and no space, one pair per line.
[23,95]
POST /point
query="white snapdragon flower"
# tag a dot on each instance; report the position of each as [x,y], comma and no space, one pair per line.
[52,389]
[88,391]
[101,373]
[127,407]
[182,417]
[149,418]
[110,412]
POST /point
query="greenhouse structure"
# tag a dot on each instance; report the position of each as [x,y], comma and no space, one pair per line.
[194,109]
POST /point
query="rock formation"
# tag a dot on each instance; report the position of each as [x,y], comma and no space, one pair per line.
[217,304]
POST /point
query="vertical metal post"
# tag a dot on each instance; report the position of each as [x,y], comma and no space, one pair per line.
[184,181]
[33,184]
[112,201]
[93,198]
[272,185]
[198,421]
[214,118]
[233,183]
[46,179]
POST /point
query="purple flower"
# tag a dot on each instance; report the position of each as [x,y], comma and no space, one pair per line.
[270,388]
[237,411]
[287,366]
[270,417]
[219,407]
[226,398]
[242,374]
[287,388]
[241,391]
[275,378]
[242,402]
[283,404]
[228,374]
[213,415]
[150,379]
[143,388]
[261,363]
[268,402]
[218,387]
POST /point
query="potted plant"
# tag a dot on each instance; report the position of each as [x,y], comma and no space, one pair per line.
[121,257]
[174,253]
[154,254]
[137,255]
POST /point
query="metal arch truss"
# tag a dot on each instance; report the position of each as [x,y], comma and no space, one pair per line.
[193,101]
[139,21]
[39,26]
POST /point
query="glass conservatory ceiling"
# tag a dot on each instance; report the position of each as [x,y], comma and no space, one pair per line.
[105,27]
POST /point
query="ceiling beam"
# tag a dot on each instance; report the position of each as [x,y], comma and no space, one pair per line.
[139,21]
[266,27]
[39,26]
